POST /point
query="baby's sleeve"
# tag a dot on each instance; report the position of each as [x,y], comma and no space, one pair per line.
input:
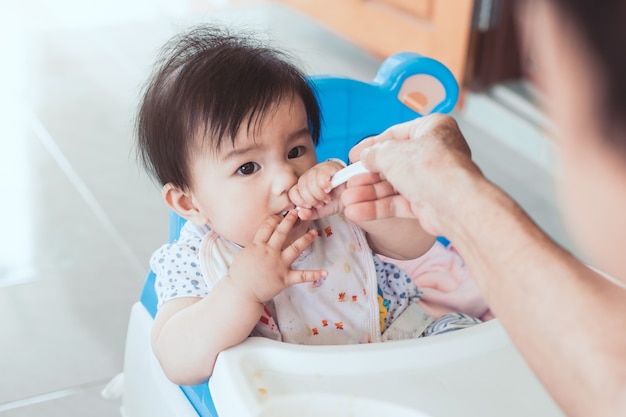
[177,269]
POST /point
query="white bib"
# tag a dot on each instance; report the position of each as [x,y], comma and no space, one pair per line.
[340,309]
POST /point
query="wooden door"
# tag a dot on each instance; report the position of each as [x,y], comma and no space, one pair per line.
[440,29]
[495,52]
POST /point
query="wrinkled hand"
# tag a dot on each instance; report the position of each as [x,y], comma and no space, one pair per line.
[313,193]
[423,165]
[263,268]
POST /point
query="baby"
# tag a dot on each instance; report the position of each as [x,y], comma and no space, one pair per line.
[228,126]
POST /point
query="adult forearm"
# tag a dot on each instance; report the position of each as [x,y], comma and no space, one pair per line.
[548,301]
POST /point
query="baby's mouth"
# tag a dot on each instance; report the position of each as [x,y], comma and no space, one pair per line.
[285,212]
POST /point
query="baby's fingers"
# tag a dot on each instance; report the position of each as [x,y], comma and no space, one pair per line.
[310,193]
[319,185]
[266,231]
[296,198]
[298,277]
[277,239]
[291,252]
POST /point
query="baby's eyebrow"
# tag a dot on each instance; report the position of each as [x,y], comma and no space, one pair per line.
[240,151]
[298,133]
[237,152]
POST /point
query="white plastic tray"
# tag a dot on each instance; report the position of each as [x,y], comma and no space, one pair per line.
[472,372]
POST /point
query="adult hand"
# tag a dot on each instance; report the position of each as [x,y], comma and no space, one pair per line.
[424,167]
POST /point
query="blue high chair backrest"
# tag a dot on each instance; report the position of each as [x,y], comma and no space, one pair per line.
[406,86]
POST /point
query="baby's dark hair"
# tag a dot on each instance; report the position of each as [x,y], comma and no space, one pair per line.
[209,82]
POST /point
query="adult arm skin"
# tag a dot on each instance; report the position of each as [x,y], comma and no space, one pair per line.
[567,321]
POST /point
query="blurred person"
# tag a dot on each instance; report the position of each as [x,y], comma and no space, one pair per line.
[568,321]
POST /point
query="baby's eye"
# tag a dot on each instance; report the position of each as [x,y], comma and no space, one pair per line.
[296,152]
[248,168]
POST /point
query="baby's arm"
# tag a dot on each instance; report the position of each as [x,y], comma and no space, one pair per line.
[397,238]
[189,333]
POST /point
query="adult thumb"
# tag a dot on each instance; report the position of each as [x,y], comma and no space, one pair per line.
[377,158]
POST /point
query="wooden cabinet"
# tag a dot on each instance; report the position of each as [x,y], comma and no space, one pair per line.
[436,28]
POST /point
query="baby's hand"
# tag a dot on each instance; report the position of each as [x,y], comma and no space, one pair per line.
[314,194]
[263,268]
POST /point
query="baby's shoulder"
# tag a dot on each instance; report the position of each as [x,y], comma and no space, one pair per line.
[187,245]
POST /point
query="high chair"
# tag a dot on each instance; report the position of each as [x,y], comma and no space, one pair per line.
[470,372]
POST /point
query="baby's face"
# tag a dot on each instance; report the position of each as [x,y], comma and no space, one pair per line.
[240,186]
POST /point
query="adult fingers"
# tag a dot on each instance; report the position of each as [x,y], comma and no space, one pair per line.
[355,153]
[400,131]
[392,206]
[362,189]
[383,156]
[366,202]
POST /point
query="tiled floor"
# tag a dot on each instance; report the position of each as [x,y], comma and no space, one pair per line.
[80,218]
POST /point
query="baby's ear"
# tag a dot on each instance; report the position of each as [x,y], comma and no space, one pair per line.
[182,202]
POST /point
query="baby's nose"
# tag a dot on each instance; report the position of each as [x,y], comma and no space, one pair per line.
[285,178]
